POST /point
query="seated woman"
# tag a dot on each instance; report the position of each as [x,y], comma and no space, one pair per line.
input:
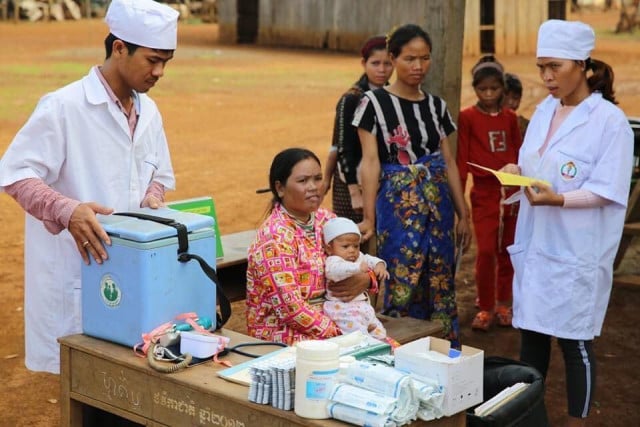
[285,272]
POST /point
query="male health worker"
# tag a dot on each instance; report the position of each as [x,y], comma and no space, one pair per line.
[92,147]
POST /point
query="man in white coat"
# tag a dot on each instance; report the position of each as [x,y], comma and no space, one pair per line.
[92,147]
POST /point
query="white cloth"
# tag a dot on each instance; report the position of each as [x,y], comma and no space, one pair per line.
[78,142]
[337,269]
[565,40]
[563,258]
[337,227]
[386,381]
[145,23]
[357,314]
[357,416]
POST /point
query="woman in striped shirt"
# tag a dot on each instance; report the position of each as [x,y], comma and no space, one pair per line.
[411,185]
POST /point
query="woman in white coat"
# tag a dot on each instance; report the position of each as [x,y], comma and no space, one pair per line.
[568,233]
[93,146]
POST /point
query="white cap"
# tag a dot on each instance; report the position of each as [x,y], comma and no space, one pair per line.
[145,23]
[565,40]
[337,227]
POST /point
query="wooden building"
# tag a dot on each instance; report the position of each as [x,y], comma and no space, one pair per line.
[345,24]
[507,27]
[457,27]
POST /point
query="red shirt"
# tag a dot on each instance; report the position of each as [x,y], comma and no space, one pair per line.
[486,139]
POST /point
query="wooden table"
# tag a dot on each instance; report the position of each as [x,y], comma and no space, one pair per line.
[109,377]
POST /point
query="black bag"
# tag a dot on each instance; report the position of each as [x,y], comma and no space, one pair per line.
[526,409]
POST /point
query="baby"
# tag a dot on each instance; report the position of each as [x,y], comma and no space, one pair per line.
[342,244]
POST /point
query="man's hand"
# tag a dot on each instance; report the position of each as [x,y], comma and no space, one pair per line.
[88,233]
[349,288]
[151,201]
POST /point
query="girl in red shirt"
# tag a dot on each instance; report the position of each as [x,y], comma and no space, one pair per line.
[488,135]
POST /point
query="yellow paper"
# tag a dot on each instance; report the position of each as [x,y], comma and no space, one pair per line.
[512,179]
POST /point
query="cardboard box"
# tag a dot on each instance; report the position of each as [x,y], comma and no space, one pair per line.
[461,376]
[143,285]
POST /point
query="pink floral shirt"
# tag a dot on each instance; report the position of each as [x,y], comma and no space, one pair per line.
[285,271]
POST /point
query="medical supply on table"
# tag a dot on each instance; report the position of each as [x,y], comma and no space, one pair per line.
[202,345]
[430,396]
[460,373]
[272,382]
[359,417]
[360,398]
[317,367]
[389,382]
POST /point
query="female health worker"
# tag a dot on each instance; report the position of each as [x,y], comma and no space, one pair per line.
[567,234]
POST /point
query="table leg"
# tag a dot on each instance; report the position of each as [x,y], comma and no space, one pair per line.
[70,410]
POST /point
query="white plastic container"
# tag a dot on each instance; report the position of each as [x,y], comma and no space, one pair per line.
[199,345]
[317,367]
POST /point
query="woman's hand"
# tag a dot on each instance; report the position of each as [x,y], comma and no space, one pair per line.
[325,186]
[367,228]
[355,193]
[511,168]
[351,287]
[463,233]
[540,194]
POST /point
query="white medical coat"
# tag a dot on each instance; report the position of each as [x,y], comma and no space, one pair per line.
[563,258]
[79,143]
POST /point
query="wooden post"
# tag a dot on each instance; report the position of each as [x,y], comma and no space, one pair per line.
[445,25]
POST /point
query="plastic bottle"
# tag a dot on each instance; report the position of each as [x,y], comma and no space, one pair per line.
[317,366]
[345,362]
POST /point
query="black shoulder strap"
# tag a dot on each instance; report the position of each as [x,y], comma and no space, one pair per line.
[184,256]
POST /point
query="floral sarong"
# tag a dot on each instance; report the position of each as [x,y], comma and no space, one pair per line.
[415,222]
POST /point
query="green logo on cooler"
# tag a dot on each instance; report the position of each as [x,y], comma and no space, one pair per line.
[110,292]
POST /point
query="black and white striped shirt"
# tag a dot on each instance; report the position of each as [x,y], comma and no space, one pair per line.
[405,130]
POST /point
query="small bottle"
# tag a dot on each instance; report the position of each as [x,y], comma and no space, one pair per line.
[317,366]
[345,362]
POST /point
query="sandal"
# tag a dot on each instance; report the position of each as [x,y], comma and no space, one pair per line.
[482,321]
[504,315]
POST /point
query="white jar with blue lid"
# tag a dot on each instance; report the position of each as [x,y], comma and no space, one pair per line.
[317,367]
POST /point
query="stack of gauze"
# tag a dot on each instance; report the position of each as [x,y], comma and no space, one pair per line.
[273,382]
[374,395]
[430,395]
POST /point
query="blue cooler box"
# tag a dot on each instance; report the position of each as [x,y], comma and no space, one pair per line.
[143,285]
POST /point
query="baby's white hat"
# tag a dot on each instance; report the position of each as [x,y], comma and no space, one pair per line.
[565,40]
[145,23]
[337,227]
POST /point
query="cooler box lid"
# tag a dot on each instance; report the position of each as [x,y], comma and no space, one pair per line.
[140,230]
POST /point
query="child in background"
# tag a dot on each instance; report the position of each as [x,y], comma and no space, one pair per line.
[512,97]
[342,244]
[488,135]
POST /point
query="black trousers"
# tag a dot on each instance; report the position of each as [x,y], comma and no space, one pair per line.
[579,362]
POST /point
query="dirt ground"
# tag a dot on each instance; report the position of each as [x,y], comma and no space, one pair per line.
[227,111]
